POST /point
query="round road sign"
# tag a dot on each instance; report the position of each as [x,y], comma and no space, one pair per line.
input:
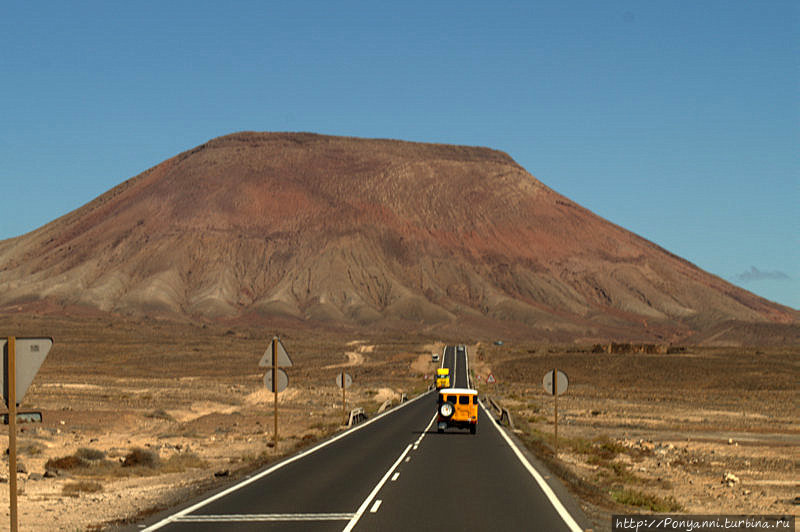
[547,382]
[348,380]
[283,380]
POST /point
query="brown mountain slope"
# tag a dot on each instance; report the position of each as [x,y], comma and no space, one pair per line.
[365,232]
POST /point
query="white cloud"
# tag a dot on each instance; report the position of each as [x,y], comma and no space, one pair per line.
[754,274]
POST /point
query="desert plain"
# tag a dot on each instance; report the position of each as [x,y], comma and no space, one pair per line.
[140,415]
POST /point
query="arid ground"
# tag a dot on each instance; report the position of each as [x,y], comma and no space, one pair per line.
[142,415]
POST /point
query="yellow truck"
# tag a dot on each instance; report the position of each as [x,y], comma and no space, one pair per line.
[442,378]
[457,407]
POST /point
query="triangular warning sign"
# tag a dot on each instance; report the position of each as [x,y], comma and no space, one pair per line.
[490,379]
[283,357]
[30,353]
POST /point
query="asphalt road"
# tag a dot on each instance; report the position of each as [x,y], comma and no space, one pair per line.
[457,362]
[394,472]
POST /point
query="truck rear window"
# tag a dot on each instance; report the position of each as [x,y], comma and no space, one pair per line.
[463,400]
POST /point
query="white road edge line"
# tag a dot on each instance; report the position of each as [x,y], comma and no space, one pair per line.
[466,359]
[263,518]
[254,478]
[453,382]
[548,491]
[374,492]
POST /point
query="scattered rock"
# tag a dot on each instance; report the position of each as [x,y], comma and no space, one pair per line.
[35,476]
[223,473]
[730,479]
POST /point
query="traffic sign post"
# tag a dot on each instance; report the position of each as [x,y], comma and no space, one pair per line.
[17,377]
[344,381]
[275,356]
[11,401]
[555,383]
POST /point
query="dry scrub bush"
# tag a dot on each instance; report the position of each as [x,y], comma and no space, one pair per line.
[139,457]
[74,489]
[86,453]
[181,462]
[65,463]
[646,500]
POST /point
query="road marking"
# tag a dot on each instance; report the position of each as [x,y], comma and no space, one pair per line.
[466,360]
[424,432]
[454,382]
[375,506]
[178,515]
[263,518]
[394,477]
[408,459]
[548,491]
[375,490]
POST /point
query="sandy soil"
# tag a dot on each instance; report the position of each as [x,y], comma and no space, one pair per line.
[206,421]
[704,430]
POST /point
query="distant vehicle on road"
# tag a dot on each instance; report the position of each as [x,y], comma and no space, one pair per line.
[435,357]
[457,407]
[460,349]
[442,378]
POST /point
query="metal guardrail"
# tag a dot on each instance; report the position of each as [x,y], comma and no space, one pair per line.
[357,415]
[503,414]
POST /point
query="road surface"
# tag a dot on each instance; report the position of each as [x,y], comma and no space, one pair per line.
[394,472]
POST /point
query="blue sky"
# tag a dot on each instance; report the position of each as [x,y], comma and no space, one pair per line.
[678,120]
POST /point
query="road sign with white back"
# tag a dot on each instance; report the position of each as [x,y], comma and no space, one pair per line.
[547,382]
[283,381]
[283,357]
[348,380]
[30,353]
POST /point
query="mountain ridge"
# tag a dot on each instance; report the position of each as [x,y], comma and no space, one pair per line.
[367,233]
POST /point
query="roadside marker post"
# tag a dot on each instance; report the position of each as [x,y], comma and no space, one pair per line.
[275,386]
[275,356]
[555,383]
[344,381]
[16,379]
[12,431]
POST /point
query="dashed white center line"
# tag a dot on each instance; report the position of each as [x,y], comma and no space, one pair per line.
[375,506]
[408,458]
[363,508]
[394,477]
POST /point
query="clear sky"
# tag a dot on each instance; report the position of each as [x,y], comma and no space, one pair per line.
[678,120]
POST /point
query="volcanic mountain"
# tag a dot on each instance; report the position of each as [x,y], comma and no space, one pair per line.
[365,233]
